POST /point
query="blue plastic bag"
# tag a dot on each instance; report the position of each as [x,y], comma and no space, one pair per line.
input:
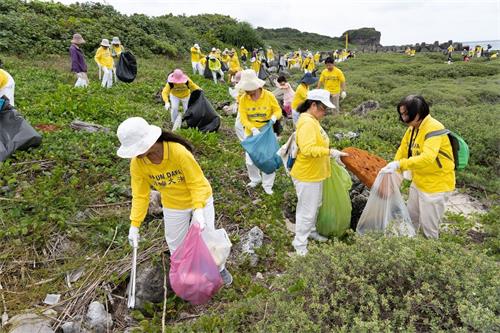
[262,149]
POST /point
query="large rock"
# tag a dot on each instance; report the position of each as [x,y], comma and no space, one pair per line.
[31,322]
[251,241]
[149,284]
[98,319]
[365,107]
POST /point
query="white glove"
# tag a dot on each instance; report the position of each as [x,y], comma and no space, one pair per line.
[133,236]
[255,131]
[336,154]
[167,106]
[343,94]
[391,167]
[199,218]
[273,119]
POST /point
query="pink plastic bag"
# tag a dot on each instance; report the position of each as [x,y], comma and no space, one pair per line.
[194,276]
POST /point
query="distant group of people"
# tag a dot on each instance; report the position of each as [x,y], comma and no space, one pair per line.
[106,57]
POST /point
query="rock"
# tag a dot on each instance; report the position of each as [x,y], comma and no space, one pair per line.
[51,299]
[290,226]
[251,241]
[88,127]
[98,319]
[149,284]
[155,207]
[220,105]
[31,322]
[74,327]
[365,107]
[461,203]
[158,98]
[349,135]
[273,69]
[259,276]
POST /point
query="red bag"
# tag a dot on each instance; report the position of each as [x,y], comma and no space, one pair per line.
[194,276]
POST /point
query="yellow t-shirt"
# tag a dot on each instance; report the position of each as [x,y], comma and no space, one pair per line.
[332,80]
[179,90]
[313,158]
[300,95]
[195,54]
[234,63]
[103,57]
[4,78]
[428,176]
[255,66]
[116,50]
[178,178]
[257,113]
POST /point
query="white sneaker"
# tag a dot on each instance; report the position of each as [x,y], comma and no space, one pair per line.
[314,235]
[253,184]
[268,191]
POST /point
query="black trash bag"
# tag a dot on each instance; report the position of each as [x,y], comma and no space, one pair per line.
[15,132]
[200,113]
[243,58]
[126,69]
[223,66]
[207,73]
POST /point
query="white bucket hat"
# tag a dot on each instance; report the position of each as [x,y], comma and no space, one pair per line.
[105,42]
[116,41]
[249,81]
[320,95]
[136,137]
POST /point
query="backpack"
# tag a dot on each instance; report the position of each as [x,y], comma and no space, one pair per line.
[459,146]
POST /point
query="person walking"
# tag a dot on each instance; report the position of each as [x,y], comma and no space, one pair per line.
[195,59]
[257,106]
[116,49]
[178,89]
[311,166]
[104,60]
[165,161]
[429,160]
[78,64]
[333,80]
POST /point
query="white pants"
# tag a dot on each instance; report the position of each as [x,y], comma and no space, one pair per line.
[309,196]
[214,75]
[295,117]
[82,80]
[107,77]
[177,222]
[256,176]
[174,106]
[197,68]
[9,89]
[427,210]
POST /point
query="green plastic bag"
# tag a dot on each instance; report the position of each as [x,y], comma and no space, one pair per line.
[334,216]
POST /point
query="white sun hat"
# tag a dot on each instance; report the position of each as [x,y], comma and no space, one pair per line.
[320,95]
[136,137]
[105,42]
[249,81]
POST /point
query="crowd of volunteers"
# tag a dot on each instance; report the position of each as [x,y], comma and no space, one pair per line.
[163,160]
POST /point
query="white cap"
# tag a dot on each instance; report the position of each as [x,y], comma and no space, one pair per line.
[136,137]
[320,95]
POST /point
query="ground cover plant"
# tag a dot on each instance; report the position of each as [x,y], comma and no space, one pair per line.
[65,205]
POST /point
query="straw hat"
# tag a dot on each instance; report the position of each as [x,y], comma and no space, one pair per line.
[136,137]
[77,39]
[249,81]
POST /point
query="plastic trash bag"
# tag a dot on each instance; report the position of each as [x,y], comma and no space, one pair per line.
[200,113]
[385,210]
[262,149]
[334,216]
[126,69]
[218,244]
[194,276]
[15,132]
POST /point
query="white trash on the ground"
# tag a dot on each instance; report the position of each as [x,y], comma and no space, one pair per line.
[218,244]
[52,299]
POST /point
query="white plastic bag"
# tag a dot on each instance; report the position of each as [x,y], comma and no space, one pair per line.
[385,210]
[218,244]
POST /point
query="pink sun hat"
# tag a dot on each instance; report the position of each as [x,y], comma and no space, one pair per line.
[177,76]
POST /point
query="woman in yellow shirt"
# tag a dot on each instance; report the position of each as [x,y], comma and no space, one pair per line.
[311,166]
[430,160]
[257,106]
[104,60]
[164,161]
[301,94]
[178,89]
[7,86]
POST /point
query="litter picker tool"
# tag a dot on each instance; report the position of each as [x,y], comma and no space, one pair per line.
[131,289]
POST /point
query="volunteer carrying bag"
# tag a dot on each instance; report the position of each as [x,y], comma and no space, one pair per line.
[126,69]
[334,216]
[459,146]
[263,149]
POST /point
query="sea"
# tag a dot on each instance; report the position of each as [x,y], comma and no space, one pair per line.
[495,44]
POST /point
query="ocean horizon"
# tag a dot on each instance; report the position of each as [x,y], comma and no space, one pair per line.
[495,44]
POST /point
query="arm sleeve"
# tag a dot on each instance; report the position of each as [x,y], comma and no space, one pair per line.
[193,86]
[243,115]
[429,153]
[403,147]
[306,139]
[97,56]
[165,93]
[196,182]
[275,107]
[140,195]
[321,80]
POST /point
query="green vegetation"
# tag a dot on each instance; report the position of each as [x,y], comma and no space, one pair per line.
[65,203]
[293,39]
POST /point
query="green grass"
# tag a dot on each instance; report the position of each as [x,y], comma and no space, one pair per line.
[51,192]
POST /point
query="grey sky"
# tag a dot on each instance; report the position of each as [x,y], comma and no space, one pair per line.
[399,21]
